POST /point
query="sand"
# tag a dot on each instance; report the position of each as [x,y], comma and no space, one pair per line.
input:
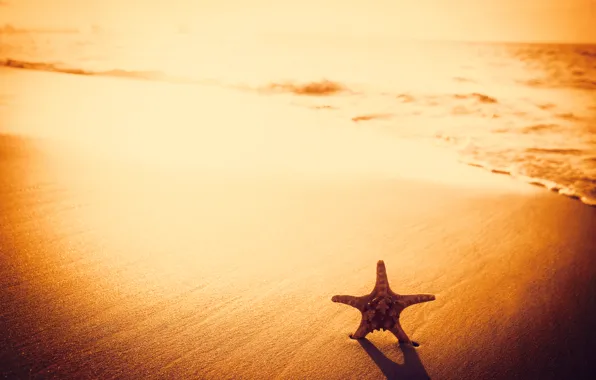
[115,268]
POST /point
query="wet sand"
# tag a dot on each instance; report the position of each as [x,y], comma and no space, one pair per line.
[118,270]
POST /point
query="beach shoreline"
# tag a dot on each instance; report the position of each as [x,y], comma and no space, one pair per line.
[24,80]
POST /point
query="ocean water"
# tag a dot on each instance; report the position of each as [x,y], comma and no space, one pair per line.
[524,110]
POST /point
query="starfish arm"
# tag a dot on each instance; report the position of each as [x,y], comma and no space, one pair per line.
[362,330]
[416,298]
[382,283]
[357,302]
[400,334]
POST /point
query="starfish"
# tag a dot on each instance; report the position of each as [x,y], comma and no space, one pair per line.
[381,308]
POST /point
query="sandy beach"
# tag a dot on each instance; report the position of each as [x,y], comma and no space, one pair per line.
[115,264]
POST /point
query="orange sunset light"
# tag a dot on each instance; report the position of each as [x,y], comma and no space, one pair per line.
[189,189]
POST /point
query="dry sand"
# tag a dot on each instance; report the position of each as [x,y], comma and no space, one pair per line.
[113,269]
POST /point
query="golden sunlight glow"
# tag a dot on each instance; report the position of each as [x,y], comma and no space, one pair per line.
[184,184]
[489,20]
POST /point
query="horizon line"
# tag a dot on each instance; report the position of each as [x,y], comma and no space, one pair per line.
[11,28]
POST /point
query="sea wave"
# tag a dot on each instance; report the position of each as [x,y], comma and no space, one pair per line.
[554,186]
[405,98]
[578,83]
[61,68]
[555,151]
[557,66]
[538,128]
[481,98]
[323,87]
[369,117]
[318,88]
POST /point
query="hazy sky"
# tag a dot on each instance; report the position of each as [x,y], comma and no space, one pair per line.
[502,20]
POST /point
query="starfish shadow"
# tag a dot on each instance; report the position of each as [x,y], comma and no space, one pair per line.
[411,368]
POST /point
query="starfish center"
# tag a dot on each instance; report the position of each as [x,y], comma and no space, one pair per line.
[382,313]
